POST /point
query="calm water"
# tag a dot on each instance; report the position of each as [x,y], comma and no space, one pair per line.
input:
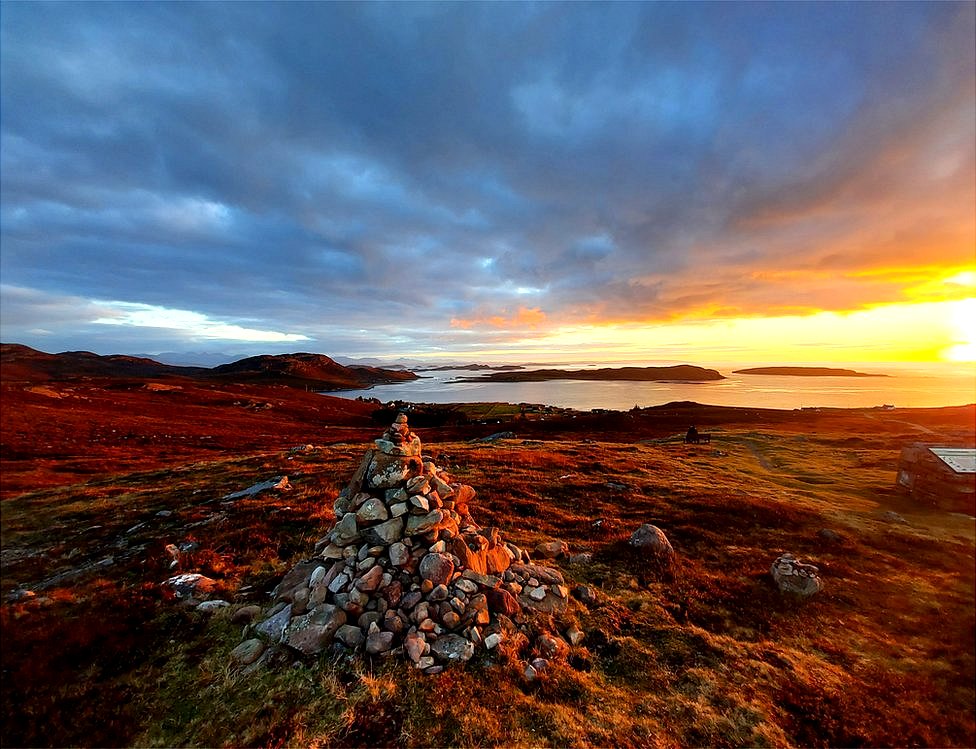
[905,388]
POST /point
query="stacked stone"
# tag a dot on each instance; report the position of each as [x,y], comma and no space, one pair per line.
[794,576]
[406,569]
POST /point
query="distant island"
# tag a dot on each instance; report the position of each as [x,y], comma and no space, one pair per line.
[805,372]
[680,372]
[472,368]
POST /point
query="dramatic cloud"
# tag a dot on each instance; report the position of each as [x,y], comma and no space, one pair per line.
[414,178]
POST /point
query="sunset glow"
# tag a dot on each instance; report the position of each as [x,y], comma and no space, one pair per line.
[630,182]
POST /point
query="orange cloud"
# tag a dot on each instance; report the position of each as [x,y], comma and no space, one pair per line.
[522,318]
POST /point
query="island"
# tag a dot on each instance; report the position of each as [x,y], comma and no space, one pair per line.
[805,372]
[679,372]
[472,368]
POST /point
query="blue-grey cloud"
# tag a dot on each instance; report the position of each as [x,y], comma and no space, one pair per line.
[347,171]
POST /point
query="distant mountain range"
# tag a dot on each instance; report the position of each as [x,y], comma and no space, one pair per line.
[297,370]
[472,368]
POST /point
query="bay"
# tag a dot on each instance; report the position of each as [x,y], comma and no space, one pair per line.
[905,387]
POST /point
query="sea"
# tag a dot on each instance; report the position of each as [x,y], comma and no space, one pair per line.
[905,386]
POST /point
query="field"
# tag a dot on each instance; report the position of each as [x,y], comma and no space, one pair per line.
[99,479]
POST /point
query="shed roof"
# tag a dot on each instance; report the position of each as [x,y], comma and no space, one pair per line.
[959,459]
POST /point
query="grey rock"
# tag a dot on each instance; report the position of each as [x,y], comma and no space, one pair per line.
[312,632]
[894,517]
[399,554]
[545,575]
[278,482]
[341,581]
[379,642]
[346,531]
[209,607]
[385,533]
[388,471]
[417,524]
[438,568]
[587,594]
[350,635]
[494,437]
[245,614]
[247,652]
[654,547]
[274,626]
[793,576]
[833,537]
[372,511]
[452,648]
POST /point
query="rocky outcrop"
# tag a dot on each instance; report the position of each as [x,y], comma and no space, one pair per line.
[793,576]
[406,570]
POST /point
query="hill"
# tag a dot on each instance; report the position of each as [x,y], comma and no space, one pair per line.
[316,371]
[303,369]
[24,363]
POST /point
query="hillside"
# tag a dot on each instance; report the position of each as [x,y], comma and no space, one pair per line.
[316,371]
[97,652]
[302,369]
[23,363]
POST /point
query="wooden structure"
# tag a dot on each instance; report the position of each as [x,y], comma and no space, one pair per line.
[943,477]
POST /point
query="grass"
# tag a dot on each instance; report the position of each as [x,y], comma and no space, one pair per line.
[884,656]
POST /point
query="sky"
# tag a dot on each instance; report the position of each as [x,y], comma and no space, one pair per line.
[761,182]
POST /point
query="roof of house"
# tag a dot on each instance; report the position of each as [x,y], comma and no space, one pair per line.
[959,459]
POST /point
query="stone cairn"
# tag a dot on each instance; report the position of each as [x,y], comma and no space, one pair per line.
[794,576]
[404,570]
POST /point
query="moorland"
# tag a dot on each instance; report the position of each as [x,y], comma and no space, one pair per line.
[102,472]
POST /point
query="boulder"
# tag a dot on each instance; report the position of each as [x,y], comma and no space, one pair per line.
[793,576]
[247,652]
[654,547]
[551,549]
[245,614]
[312,632]
[274,626]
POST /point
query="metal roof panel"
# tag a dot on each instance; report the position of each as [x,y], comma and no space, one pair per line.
[959,459]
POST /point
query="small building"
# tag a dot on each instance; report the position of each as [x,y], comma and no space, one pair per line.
[943,477]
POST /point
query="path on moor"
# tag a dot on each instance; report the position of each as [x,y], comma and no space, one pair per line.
[912,424]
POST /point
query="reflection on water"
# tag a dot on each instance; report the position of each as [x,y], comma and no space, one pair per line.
[905,389]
